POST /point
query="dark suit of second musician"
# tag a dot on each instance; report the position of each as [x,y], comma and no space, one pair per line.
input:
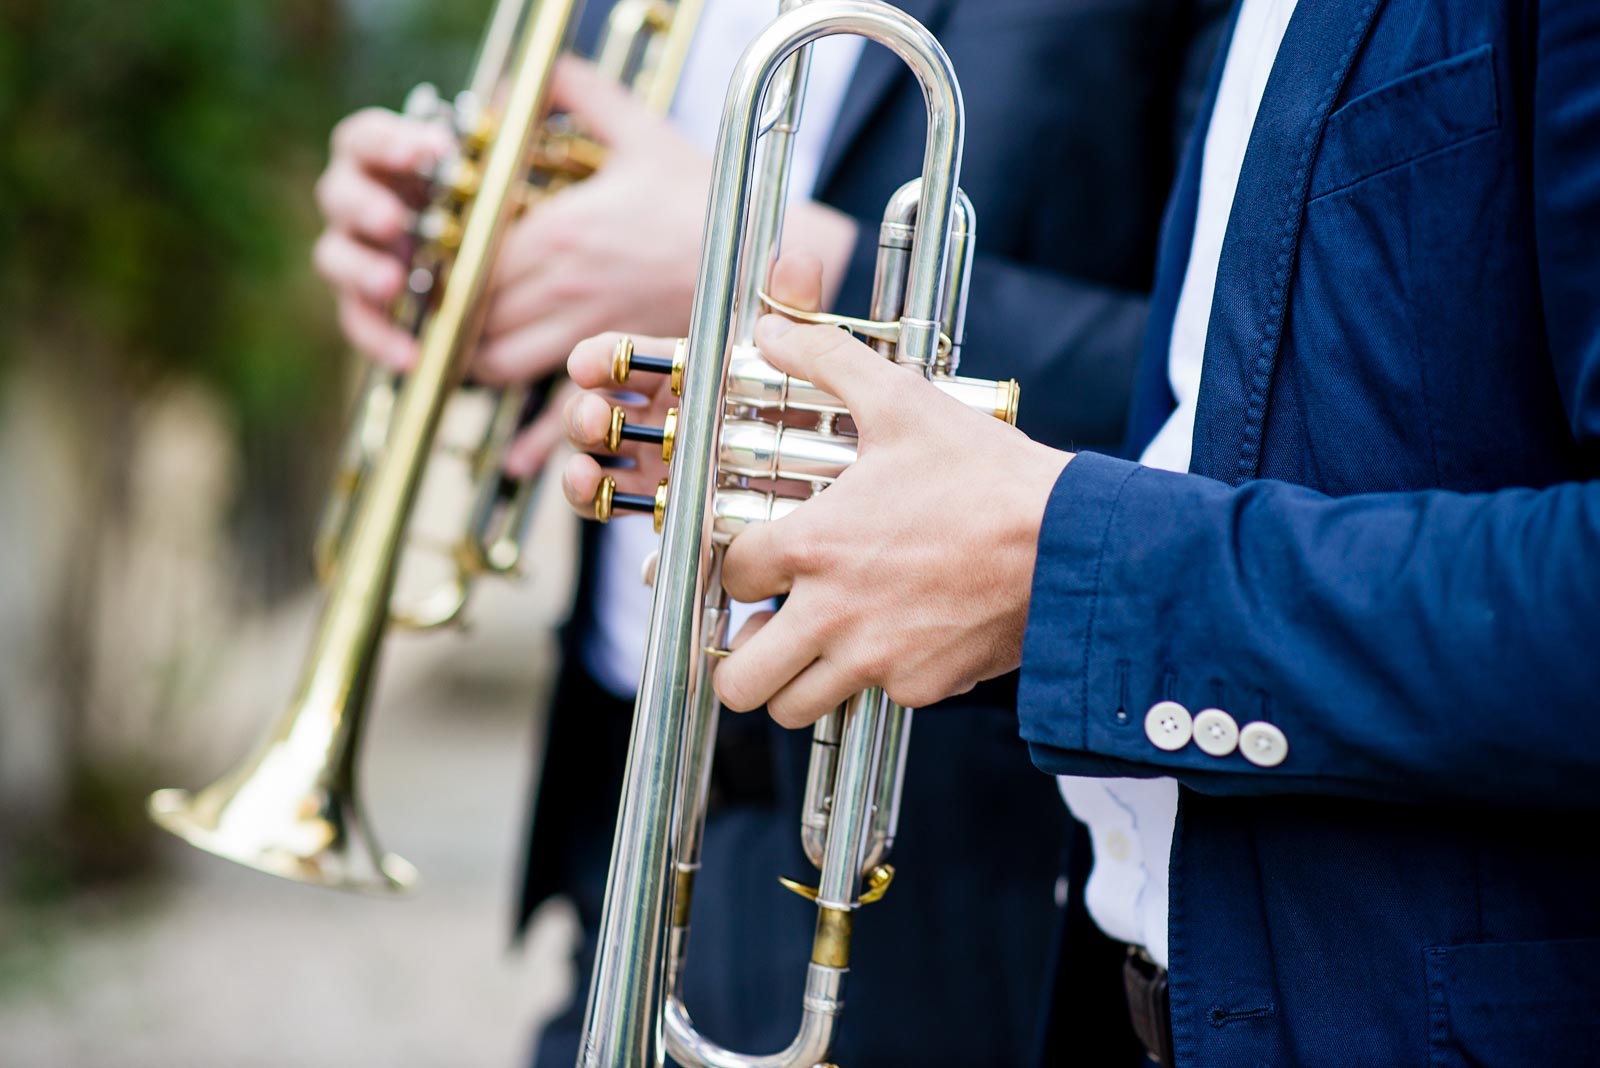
[1075,113]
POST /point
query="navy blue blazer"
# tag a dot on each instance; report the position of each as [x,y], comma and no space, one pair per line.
[1392,557]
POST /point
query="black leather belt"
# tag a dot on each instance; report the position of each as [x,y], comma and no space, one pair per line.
[1148,1007]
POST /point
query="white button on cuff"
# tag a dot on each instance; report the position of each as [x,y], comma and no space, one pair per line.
[1215,732]
[1263,744]
[1168,725]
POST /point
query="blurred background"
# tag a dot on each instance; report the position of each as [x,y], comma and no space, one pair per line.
[171,385]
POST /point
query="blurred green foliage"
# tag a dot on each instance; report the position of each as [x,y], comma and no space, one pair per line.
[155,163]
[156,166]
[156,160]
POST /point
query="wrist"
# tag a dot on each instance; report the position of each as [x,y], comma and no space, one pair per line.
[1035,483]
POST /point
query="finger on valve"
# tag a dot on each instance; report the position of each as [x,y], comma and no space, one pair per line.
[600,493]
[385,142]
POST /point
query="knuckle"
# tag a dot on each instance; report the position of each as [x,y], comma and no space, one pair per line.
[736,569]
[798,554]
[348,133]
[323,256]
[733,690]
[785,712]
[867,664]
[911,688]
[820,340]
[384,218]
[554,232]
[324,191]
[569,287]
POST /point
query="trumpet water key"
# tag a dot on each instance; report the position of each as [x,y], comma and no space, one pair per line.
[292,808]
[728,431]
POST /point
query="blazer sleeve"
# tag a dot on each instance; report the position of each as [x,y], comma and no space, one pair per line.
[1427,646]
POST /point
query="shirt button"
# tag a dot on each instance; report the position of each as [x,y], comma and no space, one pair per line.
[1215,732]
[1168,725]
[1263,744]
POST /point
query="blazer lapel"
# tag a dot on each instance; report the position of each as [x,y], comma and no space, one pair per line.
[876,73]
[1258,252]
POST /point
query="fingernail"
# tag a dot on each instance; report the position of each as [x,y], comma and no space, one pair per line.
[772,327]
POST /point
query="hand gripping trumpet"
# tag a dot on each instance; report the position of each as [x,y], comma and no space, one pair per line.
[729,430]
[643,46]
[292,808]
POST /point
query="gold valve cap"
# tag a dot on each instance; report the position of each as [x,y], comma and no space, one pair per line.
[659,515]
[463,180]
[614,431]
[669,431]
[680,356]
[1010,395]
[603,497]
[622,359]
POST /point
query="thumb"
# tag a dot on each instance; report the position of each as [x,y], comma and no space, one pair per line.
[603,108]
[796,281]
[865,382]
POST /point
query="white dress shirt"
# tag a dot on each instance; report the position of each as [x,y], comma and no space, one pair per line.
[1131,820]
[614,650]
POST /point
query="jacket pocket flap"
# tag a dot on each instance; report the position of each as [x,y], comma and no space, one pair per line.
[1423,112]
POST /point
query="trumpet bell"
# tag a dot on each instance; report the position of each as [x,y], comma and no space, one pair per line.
[279,815]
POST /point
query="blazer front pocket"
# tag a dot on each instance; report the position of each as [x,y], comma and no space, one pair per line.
[1424,112]
[1512,1004]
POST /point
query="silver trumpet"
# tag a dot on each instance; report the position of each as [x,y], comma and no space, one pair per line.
[730,431]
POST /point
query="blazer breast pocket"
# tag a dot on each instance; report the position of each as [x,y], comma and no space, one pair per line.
[1510,1004]
[1417,115]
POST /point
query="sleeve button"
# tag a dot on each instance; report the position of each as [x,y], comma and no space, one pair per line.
[1168,725]
[1263,744]
[1215,732]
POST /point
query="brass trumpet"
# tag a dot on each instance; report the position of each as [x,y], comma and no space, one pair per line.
[292,808]
[729,430]
[643,46]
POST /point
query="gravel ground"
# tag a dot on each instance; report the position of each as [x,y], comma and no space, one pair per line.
[224,968]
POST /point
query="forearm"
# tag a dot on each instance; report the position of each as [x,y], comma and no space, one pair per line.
[1427,645]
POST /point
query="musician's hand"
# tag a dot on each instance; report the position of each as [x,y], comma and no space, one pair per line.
[585,419]
[796,281]
[913,570]
[367,196]
[619,250]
